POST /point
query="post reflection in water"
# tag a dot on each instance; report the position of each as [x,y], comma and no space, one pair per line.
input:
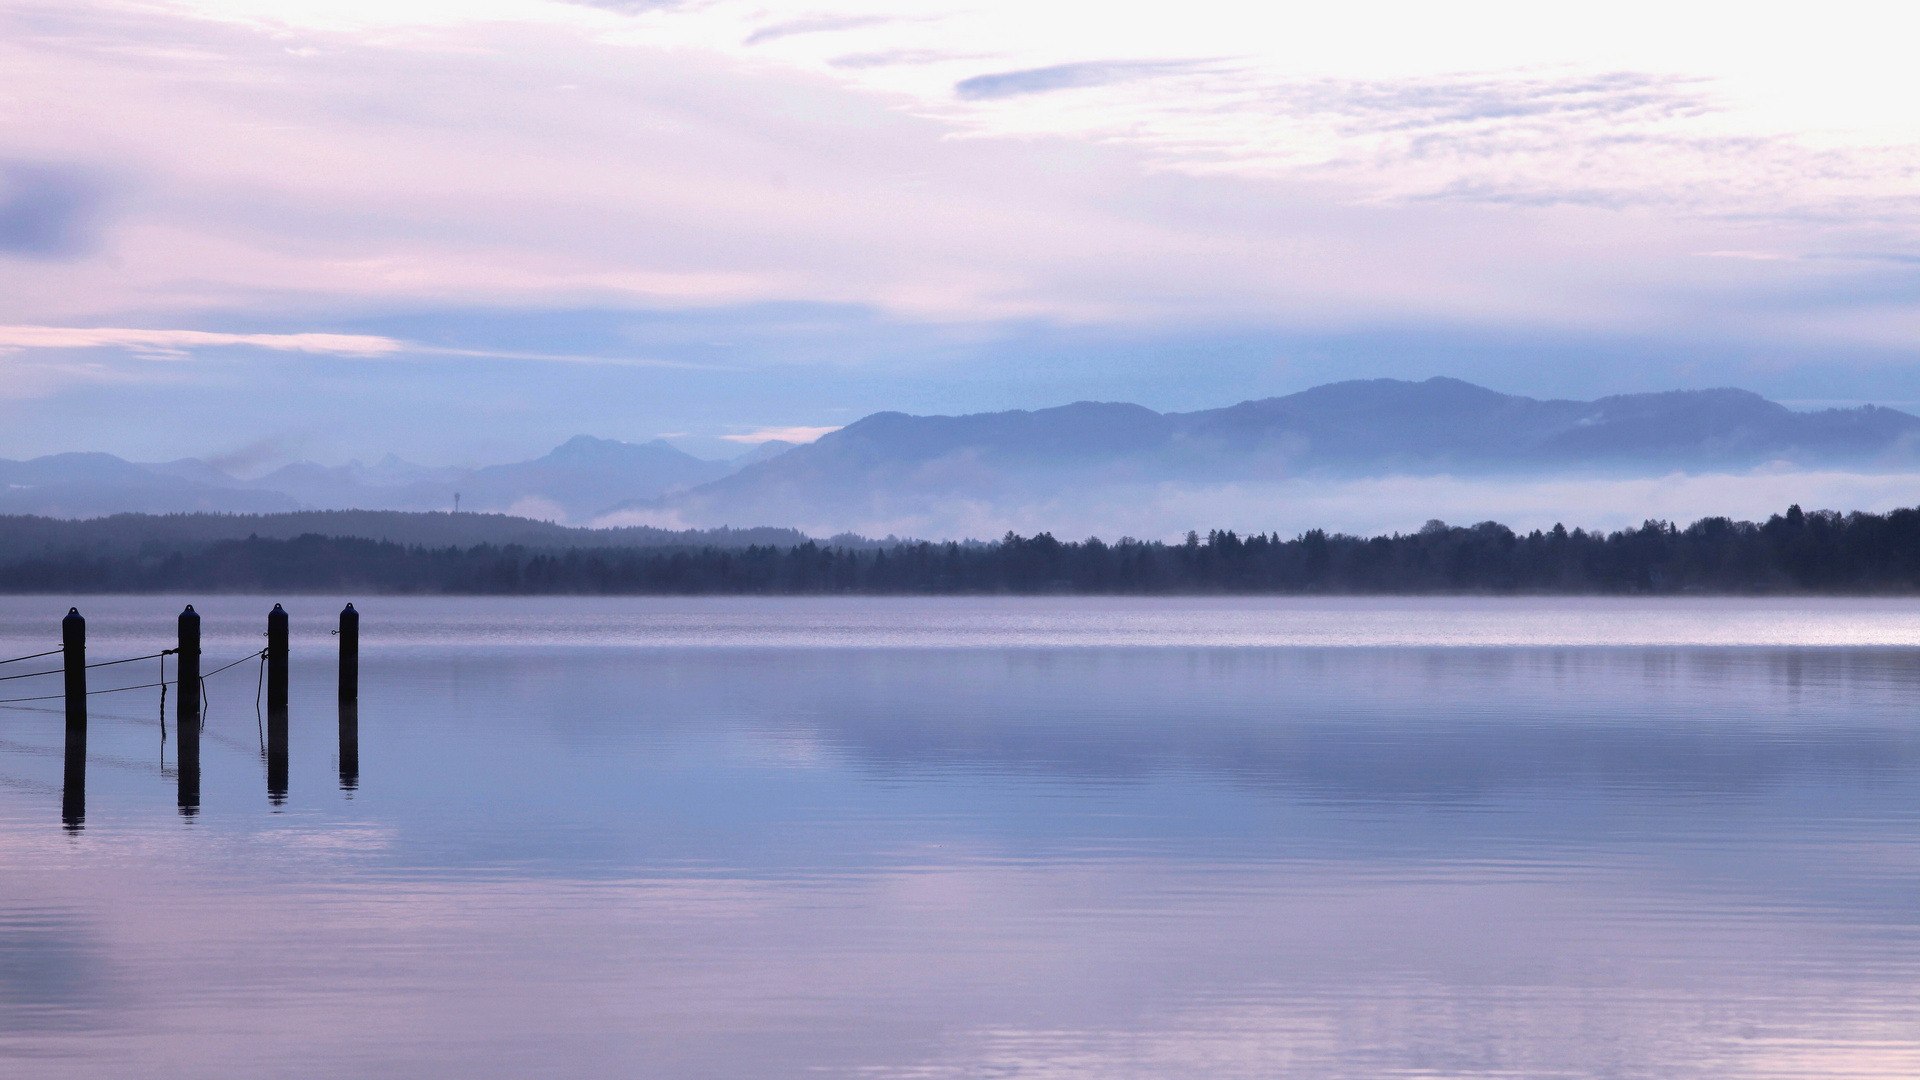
[277,755]
[349,745]
[186,722]
[73,793]
[188,794]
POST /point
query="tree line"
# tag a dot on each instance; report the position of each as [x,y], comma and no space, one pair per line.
[1820,552]
[128,533]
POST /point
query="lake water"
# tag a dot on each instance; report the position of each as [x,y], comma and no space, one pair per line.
[980,838]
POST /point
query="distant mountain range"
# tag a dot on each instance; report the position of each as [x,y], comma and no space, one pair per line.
[579,479]
[891,470]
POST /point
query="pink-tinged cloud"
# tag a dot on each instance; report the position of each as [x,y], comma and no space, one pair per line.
[178,342]
[782,434]
[275,156]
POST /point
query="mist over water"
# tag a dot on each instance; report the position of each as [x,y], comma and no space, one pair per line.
[933,838]
[1079,507]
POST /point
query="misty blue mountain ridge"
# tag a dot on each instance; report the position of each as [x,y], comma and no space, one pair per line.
[891,466]
[577,478]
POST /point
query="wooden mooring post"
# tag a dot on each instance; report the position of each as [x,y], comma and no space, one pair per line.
[349,654]
[73,650]
[277,705]
[191,702]
[73,792]
[186,717]
[277,658]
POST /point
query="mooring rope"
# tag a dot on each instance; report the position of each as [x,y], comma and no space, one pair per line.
[103,663]
[216,671]
[90,693]
[117,689]
[262,654]
[163,701]
[258,723]
[131,659]
[204,703]
[33,656]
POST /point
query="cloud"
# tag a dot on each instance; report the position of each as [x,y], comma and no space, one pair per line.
[1006,84]
[1434,169]
[889,58]
[57,974]
[626,7]
[47,211]
[538,509]
[252,456]
[782,434]
[818,24]
[176,343]
[1427,103]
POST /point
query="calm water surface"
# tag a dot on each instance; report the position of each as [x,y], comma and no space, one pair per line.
[990,838]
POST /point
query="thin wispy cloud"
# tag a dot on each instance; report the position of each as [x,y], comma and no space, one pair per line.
[817,24]
[626,7]
[178,343]
[781,434]
[891,58]
[1007,84]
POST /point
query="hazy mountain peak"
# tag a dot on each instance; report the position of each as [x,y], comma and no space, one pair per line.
[598,451]
[1438,392]
[588,446]
[192,469]
[765,451]
[73,467]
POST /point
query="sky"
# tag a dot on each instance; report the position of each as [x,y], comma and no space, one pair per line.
[258,231]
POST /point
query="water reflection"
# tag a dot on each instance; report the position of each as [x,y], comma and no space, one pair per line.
[54,973]
[73,789]
[187,777]
[276,751]
[1037,862]
[349,744]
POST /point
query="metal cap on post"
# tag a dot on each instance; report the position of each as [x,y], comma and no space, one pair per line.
[277,658]
[349,654]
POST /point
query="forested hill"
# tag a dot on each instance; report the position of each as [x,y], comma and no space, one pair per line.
[1789,553]
[119,534]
